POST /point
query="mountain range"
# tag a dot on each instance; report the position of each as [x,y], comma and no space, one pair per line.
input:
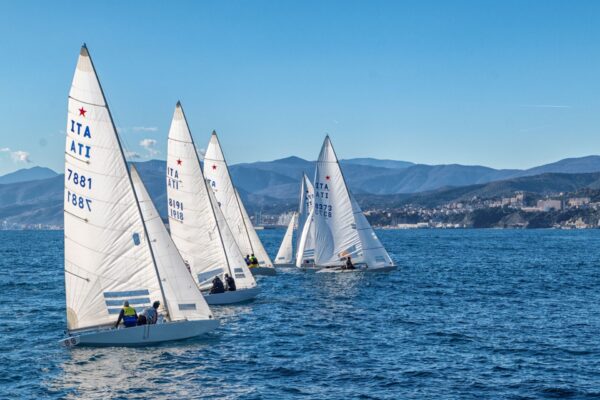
[28,174]
[34,196]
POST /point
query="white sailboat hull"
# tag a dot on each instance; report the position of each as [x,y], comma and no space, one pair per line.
[143,335]
[269,271]
[236,296]
[286,265]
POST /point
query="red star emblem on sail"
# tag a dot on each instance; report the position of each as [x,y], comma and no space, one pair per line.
[214,167]
[327,177]
[82,112]
[179,161]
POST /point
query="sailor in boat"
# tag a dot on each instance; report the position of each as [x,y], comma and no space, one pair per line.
[149,315]
[348,264]
[253,261]
[127,315]
[217,286]
[247,259]
[230,283]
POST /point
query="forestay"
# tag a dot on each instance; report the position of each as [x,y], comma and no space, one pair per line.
[198,228]
[107,255]
[217,172]
[286,251]
[184,300]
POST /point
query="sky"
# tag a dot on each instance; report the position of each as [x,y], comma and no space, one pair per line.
[506,84]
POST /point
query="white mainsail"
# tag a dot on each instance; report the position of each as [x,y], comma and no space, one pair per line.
[306,252]
[341,228]
[184,300]
[286,250]
[108,258]
[198,227]
[217,172]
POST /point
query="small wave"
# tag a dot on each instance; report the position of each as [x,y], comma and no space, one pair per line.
[558,392]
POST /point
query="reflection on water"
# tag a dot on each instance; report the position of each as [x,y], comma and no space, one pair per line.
[185,370]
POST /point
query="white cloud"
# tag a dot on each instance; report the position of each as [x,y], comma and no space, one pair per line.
[132,155]
[21,156]
[17,156]
[144,129]
[201,152]
[150,146]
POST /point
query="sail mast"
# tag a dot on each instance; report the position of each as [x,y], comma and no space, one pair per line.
[207,189]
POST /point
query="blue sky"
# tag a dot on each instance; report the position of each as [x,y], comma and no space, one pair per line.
[509,84]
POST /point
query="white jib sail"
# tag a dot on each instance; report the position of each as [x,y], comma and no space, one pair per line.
[203,239]
[286,251]
[304,211]
[217,172]
[335,227]
[107,255]
[184,300]
[302,258]
[259,251]
[373,252]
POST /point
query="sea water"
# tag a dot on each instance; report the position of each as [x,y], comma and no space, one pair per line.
[468,314]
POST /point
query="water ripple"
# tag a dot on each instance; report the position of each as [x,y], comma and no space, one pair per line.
[469,315]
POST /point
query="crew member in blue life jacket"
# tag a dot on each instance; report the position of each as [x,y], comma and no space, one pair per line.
[217,286]
[349,264]
[128,315]
[247,259]
[230,283]
[149,315]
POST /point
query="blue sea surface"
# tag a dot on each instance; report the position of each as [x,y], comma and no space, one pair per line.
[469,314]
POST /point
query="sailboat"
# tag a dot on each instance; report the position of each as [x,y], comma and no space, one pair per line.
[341,229]
[305,246]
[113,252]
[217,172]
[197,224]
[285,253]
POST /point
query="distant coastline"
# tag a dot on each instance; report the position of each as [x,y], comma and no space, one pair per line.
[393,194]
